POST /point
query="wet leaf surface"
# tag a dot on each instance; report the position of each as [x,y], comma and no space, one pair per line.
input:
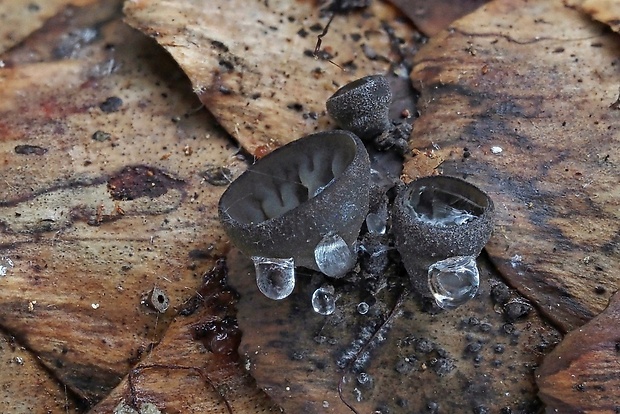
[266,88]
[523,107]
[394,358]
[581,374]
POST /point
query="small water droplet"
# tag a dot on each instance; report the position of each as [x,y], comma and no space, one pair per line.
[323,300]
[6,265]
[362,308]
[333,256]
[275,277]
[453,281]
[375,223]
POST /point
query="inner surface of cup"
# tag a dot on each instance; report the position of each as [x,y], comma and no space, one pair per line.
[445,203]
[289,177]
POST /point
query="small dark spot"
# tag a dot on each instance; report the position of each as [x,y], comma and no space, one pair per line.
[33,7]
[317,27]
[485,327]
[135,182]
[30,150]
[101,136]
[355,37]
[505,410]
[217,175]
[508,328]
[580,387]
[466,154]
[596,44]
[516,309]
[499,349]
[500,293]
[111,104]
[255,95]
[226,64]
[219,45]
[558,50]
[295,106]
[225,90]
[473,347]
[600,290]
[302,32]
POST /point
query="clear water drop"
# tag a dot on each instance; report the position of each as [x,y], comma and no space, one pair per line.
[275,277]
[333,256]
[375,223]
[6,265]
[453,281]
[362,308]
[324,300]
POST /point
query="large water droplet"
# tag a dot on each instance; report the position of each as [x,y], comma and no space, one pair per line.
[275,277]
[442,208]
[453,281]
[333,256]
[6,265]
[324,300]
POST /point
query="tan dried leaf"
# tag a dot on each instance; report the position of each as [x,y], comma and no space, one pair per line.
[252,64]
[605,11]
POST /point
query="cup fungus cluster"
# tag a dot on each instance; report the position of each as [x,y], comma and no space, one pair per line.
[305,203]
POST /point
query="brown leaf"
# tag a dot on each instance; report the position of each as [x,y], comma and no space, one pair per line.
[517,98]
[581,374]
[252,63]
[431,17]
[605,11]
[18,19]
[113,205]
[194,369]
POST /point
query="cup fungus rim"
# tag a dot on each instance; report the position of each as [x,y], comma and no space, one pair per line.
[356,149]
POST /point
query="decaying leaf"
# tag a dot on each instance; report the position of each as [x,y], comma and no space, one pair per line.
[431,17]
[18,19]
[102,199]
[581,374]
[25,387]
[194,369]
[265,87]
[516,98]
[391,357]
[605,11]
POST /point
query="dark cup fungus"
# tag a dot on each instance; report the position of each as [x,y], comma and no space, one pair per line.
[306,200]
[362,106]
[440,225]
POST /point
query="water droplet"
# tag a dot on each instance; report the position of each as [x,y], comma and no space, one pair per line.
[438,207]
[362,308]
[453,281]
[375,223]
[333,256]
[275,277]
[6,265]
[323,300]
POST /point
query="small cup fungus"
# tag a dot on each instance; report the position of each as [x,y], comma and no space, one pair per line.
[305,201]
[362,106]
[438,218]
